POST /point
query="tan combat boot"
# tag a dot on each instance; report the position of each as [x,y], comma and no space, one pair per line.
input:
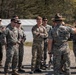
[14,72]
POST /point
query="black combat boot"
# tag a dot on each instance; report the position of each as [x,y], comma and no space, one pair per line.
[14,72]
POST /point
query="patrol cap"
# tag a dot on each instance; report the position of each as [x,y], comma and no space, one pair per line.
[44,19]
[58,17]
[14,20]
[19,21]
[15,16]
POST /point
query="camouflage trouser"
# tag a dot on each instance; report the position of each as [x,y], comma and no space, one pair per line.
[37,50]
[11,57]
[74,48]
[62,62]
[57,58]
[44,54]
[21,53]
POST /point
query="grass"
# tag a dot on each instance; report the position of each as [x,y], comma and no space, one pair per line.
[28,43]
[70,44]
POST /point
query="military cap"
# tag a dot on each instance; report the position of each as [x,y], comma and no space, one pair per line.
[15,16]
[19,21]
[58,17]
[14,20]
[44,19]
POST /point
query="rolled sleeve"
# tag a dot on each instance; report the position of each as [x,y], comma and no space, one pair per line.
[70,30]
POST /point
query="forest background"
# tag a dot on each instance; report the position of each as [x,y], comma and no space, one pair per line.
[29,9]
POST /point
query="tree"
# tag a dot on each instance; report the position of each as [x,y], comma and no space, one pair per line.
[32,8]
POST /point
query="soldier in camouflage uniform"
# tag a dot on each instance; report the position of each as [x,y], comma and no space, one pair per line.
[11,34]
[73,37]
[1,54]
[2,42]
[39,33]
[59,37]
[48,27]
[22,39]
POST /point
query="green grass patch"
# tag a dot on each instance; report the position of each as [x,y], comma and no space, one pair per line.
[71,45]
[28,43]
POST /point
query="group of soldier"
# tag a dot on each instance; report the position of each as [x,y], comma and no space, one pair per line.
[46,38]
[12,37]
[55,40]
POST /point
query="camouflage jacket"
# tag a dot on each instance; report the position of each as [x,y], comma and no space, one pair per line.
[60,34]
[11,35]
[39,33]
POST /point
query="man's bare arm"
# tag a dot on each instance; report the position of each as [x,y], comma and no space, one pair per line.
[50,41]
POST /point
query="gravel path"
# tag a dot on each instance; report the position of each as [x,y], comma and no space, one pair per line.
[27,64]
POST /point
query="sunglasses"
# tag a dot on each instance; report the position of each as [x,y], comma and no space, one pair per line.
[15,22]
[18,23]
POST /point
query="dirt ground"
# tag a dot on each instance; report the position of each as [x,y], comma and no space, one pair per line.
[27,63]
